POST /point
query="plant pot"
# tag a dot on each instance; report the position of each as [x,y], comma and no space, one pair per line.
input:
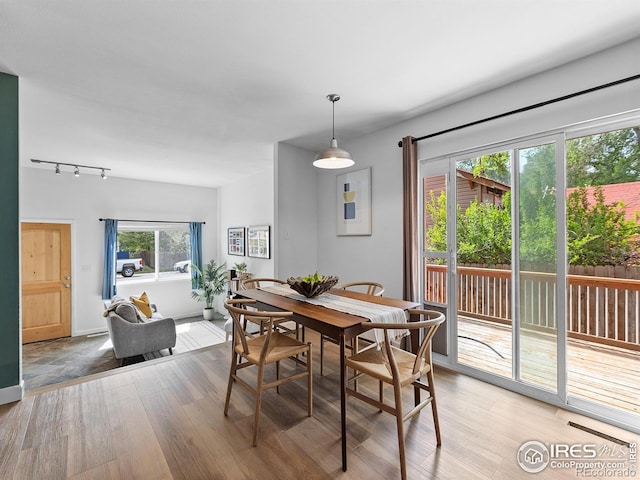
[209,313]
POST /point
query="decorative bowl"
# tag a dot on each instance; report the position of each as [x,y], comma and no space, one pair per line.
[312,289]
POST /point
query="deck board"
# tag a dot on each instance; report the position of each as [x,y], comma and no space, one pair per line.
[600,373]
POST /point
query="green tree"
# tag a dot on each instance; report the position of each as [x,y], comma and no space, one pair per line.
[174,242]
[436,235]
[484,233]
[598,233]
[604,158]
[483,230]
[136,241]
[496,166]
[538,204]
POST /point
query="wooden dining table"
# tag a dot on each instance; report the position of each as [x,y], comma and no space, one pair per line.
[339,326]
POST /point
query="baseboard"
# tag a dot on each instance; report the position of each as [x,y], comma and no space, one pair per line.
[89,331]
[12,394]
[188,315]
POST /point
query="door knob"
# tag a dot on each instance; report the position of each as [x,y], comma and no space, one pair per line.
[67,277]
[67,285]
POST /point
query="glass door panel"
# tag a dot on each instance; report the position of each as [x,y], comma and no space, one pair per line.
[536,266]
[435,255]
[603,249]
[483,258]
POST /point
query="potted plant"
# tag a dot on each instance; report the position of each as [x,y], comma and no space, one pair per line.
[213,279]
[241,270]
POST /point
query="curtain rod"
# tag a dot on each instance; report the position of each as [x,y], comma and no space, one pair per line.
[147,221]
[524,109]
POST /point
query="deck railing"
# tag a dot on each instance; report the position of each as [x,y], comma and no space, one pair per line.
[600,309]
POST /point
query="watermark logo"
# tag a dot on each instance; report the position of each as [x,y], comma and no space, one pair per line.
[585,459]
[533,456]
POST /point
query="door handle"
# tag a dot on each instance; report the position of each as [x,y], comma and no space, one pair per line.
[67,285]
[67,277]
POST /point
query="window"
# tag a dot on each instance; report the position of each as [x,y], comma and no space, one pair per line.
[152,251]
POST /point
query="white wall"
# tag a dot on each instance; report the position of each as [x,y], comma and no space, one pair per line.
[379,257]
[296,239]
[81,201]
[244,204]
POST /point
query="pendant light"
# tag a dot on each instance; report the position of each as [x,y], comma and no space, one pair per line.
[333,157]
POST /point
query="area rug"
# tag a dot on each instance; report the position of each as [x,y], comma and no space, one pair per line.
[192,336]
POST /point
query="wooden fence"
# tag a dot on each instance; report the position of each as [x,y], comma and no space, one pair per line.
[600,309]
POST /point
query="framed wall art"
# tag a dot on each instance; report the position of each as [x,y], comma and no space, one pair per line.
[235,241]
[353,200]
[258,241]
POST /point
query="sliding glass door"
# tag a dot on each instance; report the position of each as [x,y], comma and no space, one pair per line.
[493,225]
[533,250]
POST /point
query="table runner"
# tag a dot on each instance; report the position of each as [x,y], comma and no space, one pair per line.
[372,311]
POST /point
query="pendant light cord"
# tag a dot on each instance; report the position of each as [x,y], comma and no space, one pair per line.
[333,119]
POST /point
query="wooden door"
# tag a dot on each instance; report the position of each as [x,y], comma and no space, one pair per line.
[46,281]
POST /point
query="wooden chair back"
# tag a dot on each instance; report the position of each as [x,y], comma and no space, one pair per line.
[370,288]
[429,325]
[238,311]
[250,283]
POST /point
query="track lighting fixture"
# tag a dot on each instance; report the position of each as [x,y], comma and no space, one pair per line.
[76,167]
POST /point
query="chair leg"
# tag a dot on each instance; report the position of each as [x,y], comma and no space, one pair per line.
[354,345]
[381,392]
[309,381]
[434,407]
[321,354]
[400,423]
[256,418]
[170,351]
[232,372]
[278,375]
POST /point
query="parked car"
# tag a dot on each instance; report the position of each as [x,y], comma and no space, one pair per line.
[128,266]
[184,266]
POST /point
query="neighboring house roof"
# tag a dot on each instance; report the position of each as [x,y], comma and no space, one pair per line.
[483,181]
[627,193]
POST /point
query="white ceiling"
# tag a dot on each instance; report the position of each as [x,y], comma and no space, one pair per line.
[197,92]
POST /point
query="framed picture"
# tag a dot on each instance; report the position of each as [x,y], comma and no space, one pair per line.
[235,241]
[258,239]
[353,191]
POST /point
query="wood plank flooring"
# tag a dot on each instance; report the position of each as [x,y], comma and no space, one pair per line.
[600,373]
[163,419]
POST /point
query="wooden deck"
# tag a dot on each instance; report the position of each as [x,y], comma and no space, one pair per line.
[603,374]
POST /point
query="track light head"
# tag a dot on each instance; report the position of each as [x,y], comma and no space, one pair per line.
[103,174]
[76,171]
[57,169]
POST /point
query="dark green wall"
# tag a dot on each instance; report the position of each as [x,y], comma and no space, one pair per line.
[9,234]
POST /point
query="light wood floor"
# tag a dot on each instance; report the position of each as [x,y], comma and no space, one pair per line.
[599,373]
[163,420]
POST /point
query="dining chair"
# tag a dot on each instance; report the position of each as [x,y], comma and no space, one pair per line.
[370,288]
[399,368]
[285,325]
[261,350]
